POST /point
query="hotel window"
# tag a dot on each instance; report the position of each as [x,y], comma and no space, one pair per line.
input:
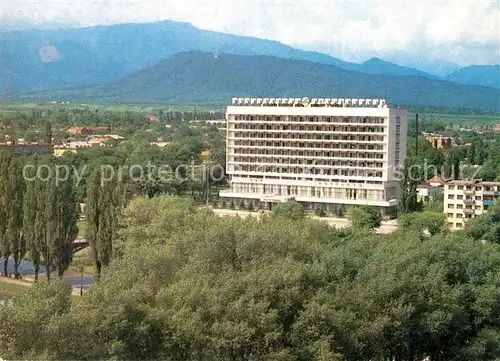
[451,196]
[451,206]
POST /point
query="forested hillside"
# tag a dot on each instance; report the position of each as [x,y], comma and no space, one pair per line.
[197,77]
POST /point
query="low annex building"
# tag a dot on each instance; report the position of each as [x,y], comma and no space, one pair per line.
[431,189]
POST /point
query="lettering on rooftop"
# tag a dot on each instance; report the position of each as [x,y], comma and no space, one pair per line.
[314,102]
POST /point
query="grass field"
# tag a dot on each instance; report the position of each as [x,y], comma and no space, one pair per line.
[459,119]
[7,106]
[19,106]
[10,289]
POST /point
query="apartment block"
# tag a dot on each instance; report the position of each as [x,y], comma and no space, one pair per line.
[464,200]
[333,152]
[439,141]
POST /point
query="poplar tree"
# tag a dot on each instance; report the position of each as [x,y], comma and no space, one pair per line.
[67,226]
[92,217]
[31,219]
[5,200]
[48,132]
[411,177]
[61,217]
[101,211]
[52,216]
[14,235]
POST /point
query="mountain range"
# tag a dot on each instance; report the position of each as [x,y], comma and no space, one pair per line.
[198,77]
[48,59]
[487,75]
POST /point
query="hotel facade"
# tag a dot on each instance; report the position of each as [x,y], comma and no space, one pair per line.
[333,152]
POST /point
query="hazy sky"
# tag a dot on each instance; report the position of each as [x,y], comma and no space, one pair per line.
[463,31]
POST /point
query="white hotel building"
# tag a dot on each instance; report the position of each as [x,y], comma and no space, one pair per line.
[334,152]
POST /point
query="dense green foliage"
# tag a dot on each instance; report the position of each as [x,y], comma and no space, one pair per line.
[188,285]
[365,217]
[291,210]
[196,77]
[486,228]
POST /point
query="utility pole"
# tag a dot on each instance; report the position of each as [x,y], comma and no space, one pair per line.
[416,134]
[208,181]
[81,281]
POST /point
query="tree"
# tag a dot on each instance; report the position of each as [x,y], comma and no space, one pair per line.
[32,209]
[411,177]
[435,204]
[67,226]
[103,202]
[291,209]
[48,132]
[5,205]
[11,200]
[364,217]
[485,227]
[14,234]
[427,223]
[189,285]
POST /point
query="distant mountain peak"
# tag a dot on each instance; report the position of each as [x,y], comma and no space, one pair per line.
[375,60]
[376,65]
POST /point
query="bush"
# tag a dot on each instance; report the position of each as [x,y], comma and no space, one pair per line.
[366,217]
[291,209]
[223,204]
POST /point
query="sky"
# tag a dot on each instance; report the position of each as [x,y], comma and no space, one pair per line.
[461,31]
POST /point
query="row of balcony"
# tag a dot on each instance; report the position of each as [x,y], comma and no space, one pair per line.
[337,165]
[293,136]
[287,119]
[298,171]
[366,140]
[248,128]
[295,155]
[342,147]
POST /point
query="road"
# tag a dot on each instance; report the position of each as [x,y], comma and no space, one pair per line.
[28,273]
